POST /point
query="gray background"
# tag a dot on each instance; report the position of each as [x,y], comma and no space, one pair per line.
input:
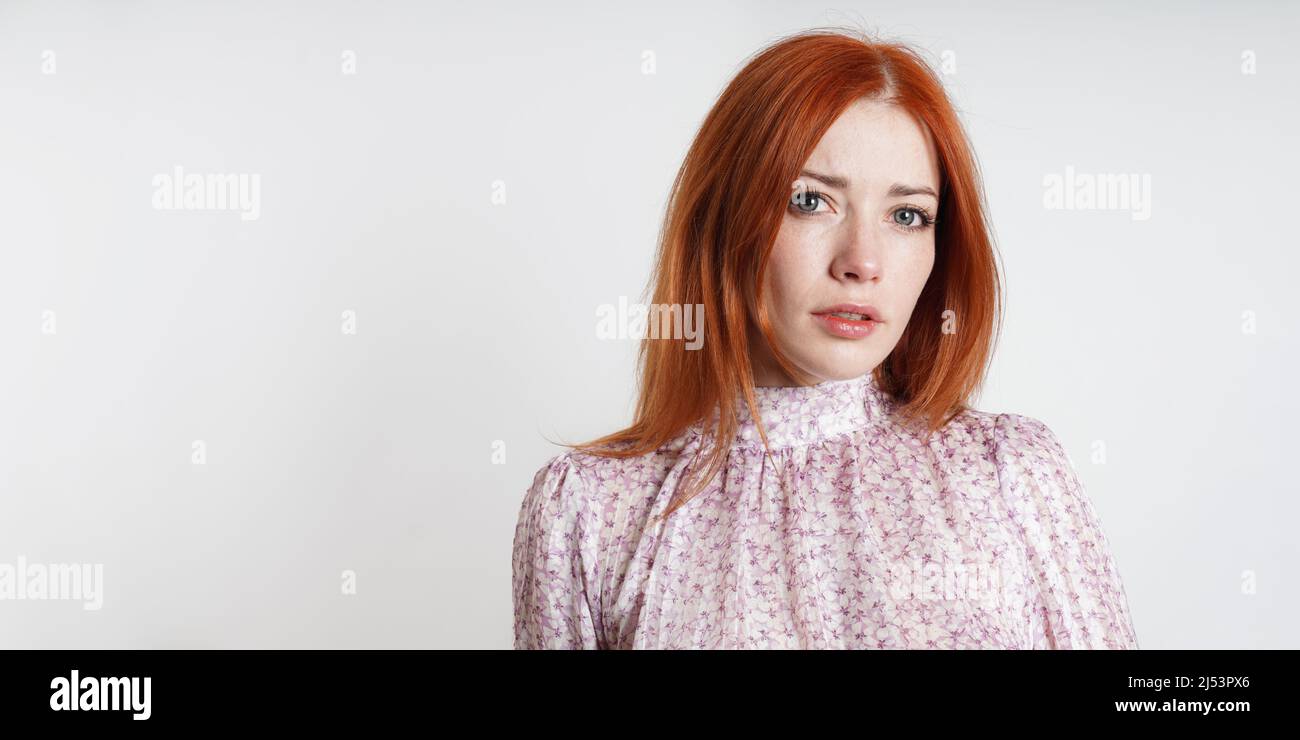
[476,321]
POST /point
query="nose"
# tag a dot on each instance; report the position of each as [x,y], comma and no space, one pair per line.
[858,257]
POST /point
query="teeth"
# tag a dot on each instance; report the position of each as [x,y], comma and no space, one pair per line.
[854,316]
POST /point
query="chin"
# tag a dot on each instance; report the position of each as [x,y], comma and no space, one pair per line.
[848,372]
[838,368]
[821,358]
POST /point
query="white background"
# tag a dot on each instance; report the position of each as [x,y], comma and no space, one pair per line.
[476,321]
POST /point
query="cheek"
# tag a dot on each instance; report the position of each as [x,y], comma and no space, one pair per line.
[918,269]
[788,278]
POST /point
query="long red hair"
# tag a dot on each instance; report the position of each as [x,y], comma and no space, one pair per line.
[722,218]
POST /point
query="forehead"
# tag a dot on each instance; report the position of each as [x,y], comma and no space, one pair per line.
[874,143]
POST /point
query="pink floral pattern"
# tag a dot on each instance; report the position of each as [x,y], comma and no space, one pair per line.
[854,533]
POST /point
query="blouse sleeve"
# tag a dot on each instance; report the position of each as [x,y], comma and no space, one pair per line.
[1078,598]
[554,555]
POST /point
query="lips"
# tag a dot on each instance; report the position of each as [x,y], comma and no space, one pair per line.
[848,320]
[850,311]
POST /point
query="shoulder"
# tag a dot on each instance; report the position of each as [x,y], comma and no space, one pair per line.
[1040,483]
[1026,430]
[555,555]
[559,519]
[583,482]
[1006,435]
[1028,443]
[1024,451]
[557,474]
[601,478]
[559,485]
[1037,477]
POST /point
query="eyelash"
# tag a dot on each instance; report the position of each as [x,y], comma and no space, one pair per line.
[927,221]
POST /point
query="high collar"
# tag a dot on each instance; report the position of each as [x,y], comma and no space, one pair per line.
[800,415]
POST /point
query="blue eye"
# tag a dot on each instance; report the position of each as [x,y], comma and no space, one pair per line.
[908,218]
[806,201]
[916,218]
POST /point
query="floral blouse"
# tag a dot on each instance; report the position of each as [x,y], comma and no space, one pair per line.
[854,533]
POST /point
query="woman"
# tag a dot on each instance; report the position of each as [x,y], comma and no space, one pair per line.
[812,476]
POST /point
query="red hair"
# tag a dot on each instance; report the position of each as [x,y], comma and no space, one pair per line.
[726,208]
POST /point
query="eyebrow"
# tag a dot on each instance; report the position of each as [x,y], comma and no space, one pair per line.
[897,190]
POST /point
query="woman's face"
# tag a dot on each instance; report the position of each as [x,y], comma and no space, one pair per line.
[857,237]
